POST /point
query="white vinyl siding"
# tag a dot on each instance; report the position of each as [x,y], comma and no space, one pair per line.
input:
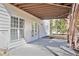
[4,27]
[4,18]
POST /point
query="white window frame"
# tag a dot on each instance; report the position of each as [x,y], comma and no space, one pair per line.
[21,28]
[18,29]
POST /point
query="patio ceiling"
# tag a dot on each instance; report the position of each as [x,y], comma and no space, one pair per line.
[46,10]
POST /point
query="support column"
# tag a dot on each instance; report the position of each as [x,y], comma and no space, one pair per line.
[73,18]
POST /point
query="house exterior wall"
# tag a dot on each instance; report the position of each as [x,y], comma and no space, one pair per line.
[28,18]
[46,23]
[4,27]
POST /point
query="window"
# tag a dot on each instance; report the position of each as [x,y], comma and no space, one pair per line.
[21,33]
[17,28]
[14,22]
[21,28]
[21,23]
[14,28]
[14,34]
[34,28]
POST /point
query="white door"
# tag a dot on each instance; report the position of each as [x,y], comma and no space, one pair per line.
[34,31]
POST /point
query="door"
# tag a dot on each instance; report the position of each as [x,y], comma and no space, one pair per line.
[35,30]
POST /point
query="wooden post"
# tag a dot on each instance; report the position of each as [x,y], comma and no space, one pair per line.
[68,32]
[73,19]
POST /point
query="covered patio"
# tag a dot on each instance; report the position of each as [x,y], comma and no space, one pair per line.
[48,11]
[29,35]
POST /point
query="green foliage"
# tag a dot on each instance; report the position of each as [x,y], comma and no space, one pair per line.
[60,26]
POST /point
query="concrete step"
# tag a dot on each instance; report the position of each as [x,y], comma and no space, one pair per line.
[68,49]
[58,51]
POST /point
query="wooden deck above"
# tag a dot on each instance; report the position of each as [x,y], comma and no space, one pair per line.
[46,10]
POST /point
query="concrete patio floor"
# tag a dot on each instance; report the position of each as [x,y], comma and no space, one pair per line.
[30,50]
[42,47]
[50,42]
